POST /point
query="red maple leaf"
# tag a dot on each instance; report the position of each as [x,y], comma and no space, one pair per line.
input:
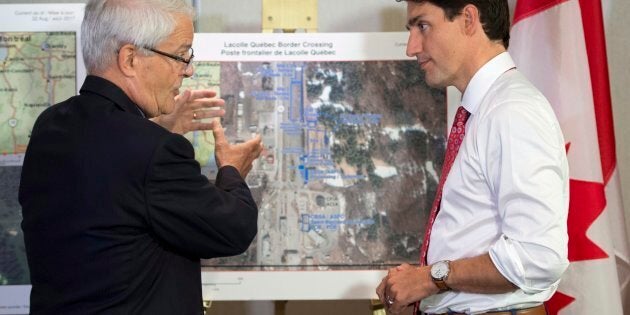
[586,203]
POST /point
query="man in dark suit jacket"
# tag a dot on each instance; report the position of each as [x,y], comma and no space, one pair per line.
[116,213]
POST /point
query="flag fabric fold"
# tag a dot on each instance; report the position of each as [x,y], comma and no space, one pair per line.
[560,46]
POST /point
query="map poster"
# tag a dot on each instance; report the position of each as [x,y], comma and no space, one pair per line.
[353,139]
[40,65]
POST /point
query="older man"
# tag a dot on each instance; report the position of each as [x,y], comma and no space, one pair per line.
[116,211]
[496,241]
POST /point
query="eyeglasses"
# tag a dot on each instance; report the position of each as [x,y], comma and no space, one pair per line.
[175,57]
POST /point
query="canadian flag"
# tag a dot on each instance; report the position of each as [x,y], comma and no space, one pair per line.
[560,46]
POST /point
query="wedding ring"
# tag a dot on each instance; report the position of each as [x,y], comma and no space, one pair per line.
[390,301]
[194,115]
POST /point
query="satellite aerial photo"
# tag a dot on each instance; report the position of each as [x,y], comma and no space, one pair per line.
[351,161]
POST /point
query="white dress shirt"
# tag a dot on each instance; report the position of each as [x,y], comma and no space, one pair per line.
[507,193]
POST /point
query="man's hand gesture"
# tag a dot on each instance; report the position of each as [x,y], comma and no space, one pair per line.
[241,155]
[189,110]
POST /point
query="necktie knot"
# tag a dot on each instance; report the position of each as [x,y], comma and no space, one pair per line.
[461,116]
[457,134]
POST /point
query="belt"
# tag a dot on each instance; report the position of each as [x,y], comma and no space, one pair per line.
[537,310]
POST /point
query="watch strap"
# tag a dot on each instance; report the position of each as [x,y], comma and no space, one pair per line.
[441,284]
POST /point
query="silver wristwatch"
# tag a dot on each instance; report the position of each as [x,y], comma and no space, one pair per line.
[439,273]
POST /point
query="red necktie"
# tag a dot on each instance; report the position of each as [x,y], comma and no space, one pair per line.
[454,141]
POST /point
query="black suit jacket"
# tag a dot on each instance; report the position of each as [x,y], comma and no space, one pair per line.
[116,213]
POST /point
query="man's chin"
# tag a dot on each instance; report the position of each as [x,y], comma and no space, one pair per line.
[435,85]
[433,82]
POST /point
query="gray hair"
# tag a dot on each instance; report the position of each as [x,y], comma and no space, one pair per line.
[109,24]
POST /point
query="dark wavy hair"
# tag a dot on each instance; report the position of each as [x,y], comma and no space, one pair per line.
[494,15]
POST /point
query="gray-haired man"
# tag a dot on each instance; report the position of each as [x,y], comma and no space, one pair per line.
[116,211]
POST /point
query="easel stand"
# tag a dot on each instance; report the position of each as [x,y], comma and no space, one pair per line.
[288,16]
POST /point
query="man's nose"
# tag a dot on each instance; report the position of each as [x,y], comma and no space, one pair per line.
[414,44]
[189,70]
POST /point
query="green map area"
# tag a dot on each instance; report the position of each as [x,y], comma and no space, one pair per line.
[207,76]
[37,69]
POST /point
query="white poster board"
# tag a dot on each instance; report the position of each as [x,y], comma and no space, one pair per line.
[280,83]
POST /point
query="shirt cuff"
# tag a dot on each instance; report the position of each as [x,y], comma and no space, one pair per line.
[531,267]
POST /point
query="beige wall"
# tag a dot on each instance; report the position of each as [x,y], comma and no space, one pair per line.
[387,15]
[618,44]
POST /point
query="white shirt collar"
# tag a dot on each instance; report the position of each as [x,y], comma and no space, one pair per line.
[483,79]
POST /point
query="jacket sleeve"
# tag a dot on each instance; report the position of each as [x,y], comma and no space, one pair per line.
[191,215]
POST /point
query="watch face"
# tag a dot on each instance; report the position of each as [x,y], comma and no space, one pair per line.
[439,270]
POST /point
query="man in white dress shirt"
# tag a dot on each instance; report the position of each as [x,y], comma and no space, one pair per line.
[498,244]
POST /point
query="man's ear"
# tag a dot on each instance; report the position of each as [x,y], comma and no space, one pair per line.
[470,13]
[128,60]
